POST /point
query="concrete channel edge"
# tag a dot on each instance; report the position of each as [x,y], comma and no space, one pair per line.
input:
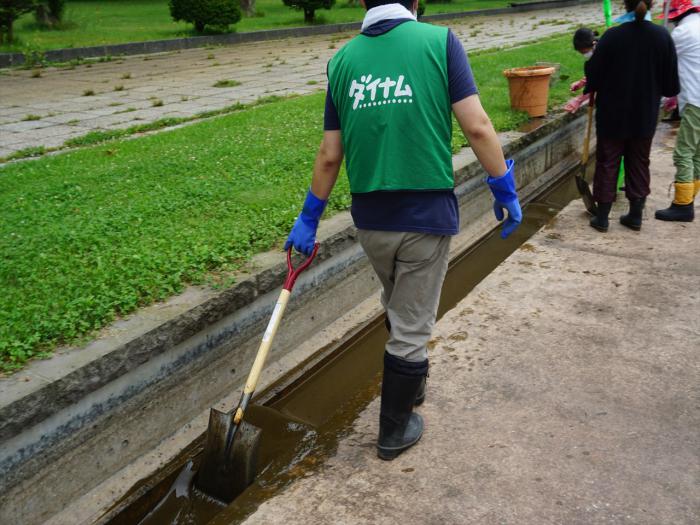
[68,416]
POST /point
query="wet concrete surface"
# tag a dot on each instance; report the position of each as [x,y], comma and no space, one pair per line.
[563,389]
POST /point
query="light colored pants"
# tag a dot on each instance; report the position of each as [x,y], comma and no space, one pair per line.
[411,268]
[686,156]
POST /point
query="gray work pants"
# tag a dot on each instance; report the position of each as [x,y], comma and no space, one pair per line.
[411,268]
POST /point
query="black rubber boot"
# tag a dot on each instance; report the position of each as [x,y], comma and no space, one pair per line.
[633,219]
[677,212]
[600,221]
[399,427]
[420,396]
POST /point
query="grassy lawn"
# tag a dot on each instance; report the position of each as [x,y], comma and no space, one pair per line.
[97,22]
[93,234]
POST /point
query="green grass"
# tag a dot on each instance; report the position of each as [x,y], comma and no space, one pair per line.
[93,234]
[99,22]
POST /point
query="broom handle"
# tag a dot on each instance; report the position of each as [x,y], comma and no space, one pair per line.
[270,332]
[589,125]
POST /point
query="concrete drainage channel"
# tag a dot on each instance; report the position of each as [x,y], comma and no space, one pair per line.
[327,394]
[108,453]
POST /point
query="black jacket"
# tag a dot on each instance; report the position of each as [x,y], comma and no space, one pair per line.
[632,67]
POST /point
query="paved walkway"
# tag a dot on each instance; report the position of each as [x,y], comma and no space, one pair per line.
[131,90]
[563,390]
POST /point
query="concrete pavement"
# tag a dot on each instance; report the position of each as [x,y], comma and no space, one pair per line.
[57,106]
[563,390]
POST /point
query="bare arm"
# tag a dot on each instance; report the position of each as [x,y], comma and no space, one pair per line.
[327,165]
[477,127]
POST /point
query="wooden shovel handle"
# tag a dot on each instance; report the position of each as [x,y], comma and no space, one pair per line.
[589,125]
[274,322]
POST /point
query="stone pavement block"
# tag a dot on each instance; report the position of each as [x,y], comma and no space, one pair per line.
[63,118]
[25,126]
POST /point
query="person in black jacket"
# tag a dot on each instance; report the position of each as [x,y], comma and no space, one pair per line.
[632,67]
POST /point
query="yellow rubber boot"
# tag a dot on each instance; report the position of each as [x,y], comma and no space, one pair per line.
[696,190]
[681,209]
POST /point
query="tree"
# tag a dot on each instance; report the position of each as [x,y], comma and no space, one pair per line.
[202,13]
[309,7]
[49,14]
[248,6]
[11,10]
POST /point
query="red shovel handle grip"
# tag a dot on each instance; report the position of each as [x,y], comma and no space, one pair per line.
[293,273]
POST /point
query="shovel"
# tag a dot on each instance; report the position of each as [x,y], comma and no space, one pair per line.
[230,455]
[581,184]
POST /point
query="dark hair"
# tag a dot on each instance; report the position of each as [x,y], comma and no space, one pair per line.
[408,4]
[640,8]
[584,38]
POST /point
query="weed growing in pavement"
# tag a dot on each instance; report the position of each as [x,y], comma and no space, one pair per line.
[88,93]
[126,76]
[73,122]
[31,117]
[312,82]
[226,83]
[32,151]
[156,102]
[36,73]
[211,56]
[119,88]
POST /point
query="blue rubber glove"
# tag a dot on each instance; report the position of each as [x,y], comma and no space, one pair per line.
[303,234]
[503,189]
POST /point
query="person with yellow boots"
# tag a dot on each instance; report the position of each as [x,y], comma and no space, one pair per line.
[686,157]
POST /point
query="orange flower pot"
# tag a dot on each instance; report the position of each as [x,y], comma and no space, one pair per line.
[529,88]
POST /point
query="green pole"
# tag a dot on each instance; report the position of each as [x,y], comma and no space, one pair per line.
[607,11]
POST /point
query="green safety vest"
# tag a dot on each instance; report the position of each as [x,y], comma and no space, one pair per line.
[391,93]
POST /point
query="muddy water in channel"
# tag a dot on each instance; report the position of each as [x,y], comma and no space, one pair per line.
[303,425]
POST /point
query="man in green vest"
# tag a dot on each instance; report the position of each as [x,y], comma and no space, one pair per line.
[391,94]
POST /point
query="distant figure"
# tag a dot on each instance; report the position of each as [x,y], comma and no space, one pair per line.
[585,41]
[686,157]
[632,67]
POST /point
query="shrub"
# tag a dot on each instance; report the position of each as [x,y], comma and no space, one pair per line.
[309,7]
[202,13]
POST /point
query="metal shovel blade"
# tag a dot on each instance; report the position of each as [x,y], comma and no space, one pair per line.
[224,474]
[586,195]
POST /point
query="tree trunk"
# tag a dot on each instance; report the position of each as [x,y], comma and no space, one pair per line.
[199,26]
[9,32]
[248,7]
[309,16]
